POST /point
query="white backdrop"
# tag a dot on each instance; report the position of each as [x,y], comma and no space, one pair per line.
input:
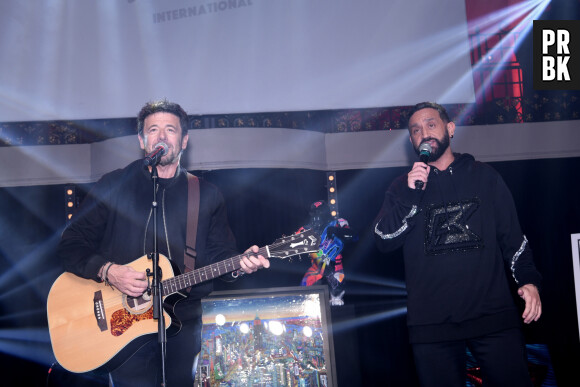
[88,59]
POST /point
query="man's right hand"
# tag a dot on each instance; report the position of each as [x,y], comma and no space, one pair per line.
[419,172]
[127,280]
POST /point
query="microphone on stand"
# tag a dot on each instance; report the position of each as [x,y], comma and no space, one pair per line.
[424,153]
[154,157]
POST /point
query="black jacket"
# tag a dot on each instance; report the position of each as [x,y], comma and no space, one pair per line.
[459,237]
[115,223]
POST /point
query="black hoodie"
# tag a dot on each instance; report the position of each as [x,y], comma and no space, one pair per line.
[460,238]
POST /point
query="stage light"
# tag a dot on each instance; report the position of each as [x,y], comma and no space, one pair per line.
[70,200]
[395,310]
[510,25]
[332,194]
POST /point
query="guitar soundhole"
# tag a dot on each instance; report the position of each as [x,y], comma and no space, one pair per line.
[137,305]
[135,309]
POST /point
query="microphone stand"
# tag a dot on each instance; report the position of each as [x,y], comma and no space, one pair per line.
[156,282]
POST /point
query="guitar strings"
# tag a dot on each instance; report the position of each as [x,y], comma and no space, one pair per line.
[205,273]
[199,275]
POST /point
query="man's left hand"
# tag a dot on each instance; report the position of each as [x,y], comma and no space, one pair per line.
[529,293]
[251,263]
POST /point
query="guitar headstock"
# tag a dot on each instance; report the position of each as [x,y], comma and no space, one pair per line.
[302,243]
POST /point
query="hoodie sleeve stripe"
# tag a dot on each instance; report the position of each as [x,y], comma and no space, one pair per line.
[400,230]
[517,256]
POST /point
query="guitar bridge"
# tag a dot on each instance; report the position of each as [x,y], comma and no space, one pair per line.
[99,309]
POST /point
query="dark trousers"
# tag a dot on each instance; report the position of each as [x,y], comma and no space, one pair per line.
[501,356]
[143,369]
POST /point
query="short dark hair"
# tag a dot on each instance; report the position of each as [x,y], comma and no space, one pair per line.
[161,106]
[430,105]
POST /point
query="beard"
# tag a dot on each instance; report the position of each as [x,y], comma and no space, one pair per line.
[440,148]
[170,158]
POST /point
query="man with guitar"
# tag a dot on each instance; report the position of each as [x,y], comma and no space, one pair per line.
[114,227]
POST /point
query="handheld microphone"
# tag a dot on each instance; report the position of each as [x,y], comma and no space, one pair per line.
[424,153]
[154,157]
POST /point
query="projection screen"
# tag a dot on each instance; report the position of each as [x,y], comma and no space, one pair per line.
[104,58]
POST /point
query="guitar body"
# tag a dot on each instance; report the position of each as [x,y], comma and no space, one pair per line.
[94,327]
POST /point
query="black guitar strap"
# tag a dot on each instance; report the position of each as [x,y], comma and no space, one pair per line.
[193,198]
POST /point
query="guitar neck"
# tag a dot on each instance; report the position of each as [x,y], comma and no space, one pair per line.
[206,273]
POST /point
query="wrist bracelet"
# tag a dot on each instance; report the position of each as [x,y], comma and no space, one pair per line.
[106,278]
[101,273]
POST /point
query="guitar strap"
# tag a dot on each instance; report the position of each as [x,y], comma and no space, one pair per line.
[193,199]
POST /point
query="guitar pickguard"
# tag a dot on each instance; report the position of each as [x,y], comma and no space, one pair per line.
[121,320]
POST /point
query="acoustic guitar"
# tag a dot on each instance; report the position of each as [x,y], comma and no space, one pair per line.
[94,327]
